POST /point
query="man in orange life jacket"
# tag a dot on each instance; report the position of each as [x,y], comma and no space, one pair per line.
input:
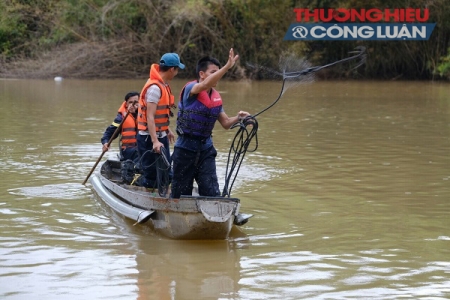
[194,155]
[153,116]
[128,147]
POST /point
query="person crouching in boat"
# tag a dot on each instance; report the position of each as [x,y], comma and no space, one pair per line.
[128,144]
[129,155]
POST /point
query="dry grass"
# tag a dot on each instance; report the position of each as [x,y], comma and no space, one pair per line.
[117,59]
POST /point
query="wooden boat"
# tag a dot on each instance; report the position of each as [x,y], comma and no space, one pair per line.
[189,217]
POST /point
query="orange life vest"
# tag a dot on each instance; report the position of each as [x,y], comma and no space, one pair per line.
[165,103]
[129,131]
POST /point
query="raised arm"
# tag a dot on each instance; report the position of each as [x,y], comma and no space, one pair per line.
[212,80]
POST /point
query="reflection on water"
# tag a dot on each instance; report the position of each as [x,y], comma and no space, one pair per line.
[349,188]
[170,270]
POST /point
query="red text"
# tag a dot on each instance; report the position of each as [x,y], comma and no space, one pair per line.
[362,15]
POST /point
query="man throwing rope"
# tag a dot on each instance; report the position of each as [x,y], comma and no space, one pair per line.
[194,156]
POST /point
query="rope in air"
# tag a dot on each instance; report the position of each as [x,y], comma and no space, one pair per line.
[244,135]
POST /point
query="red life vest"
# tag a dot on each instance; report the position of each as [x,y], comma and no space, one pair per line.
[197,119]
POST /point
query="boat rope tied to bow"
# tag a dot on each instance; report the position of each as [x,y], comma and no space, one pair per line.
[294,71]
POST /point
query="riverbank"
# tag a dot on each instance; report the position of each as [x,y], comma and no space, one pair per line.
[86,60]
[112,60]
[80,60]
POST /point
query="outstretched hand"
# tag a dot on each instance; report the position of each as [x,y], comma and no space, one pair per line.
[231,59]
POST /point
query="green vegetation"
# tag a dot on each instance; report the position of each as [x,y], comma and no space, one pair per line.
[118,38]
[443,68]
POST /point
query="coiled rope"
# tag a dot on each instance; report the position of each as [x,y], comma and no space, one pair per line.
[162,166]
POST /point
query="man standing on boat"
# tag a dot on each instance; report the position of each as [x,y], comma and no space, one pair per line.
[200,106]
[128,143]
[153,116]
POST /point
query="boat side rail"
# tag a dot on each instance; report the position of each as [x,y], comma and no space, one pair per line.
[145,200]
[211,198]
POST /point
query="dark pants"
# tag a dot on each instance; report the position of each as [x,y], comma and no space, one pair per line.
[199,166]
[148,159]
[130,153]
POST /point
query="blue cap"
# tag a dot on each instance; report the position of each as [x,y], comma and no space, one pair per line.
[171,60]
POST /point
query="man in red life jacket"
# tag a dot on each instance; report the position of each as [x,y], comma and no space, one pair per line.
[128,143]
[194,156]
[155,103]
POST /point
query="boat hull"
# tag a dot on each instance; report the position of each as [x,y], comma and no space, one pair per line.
[185,218]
